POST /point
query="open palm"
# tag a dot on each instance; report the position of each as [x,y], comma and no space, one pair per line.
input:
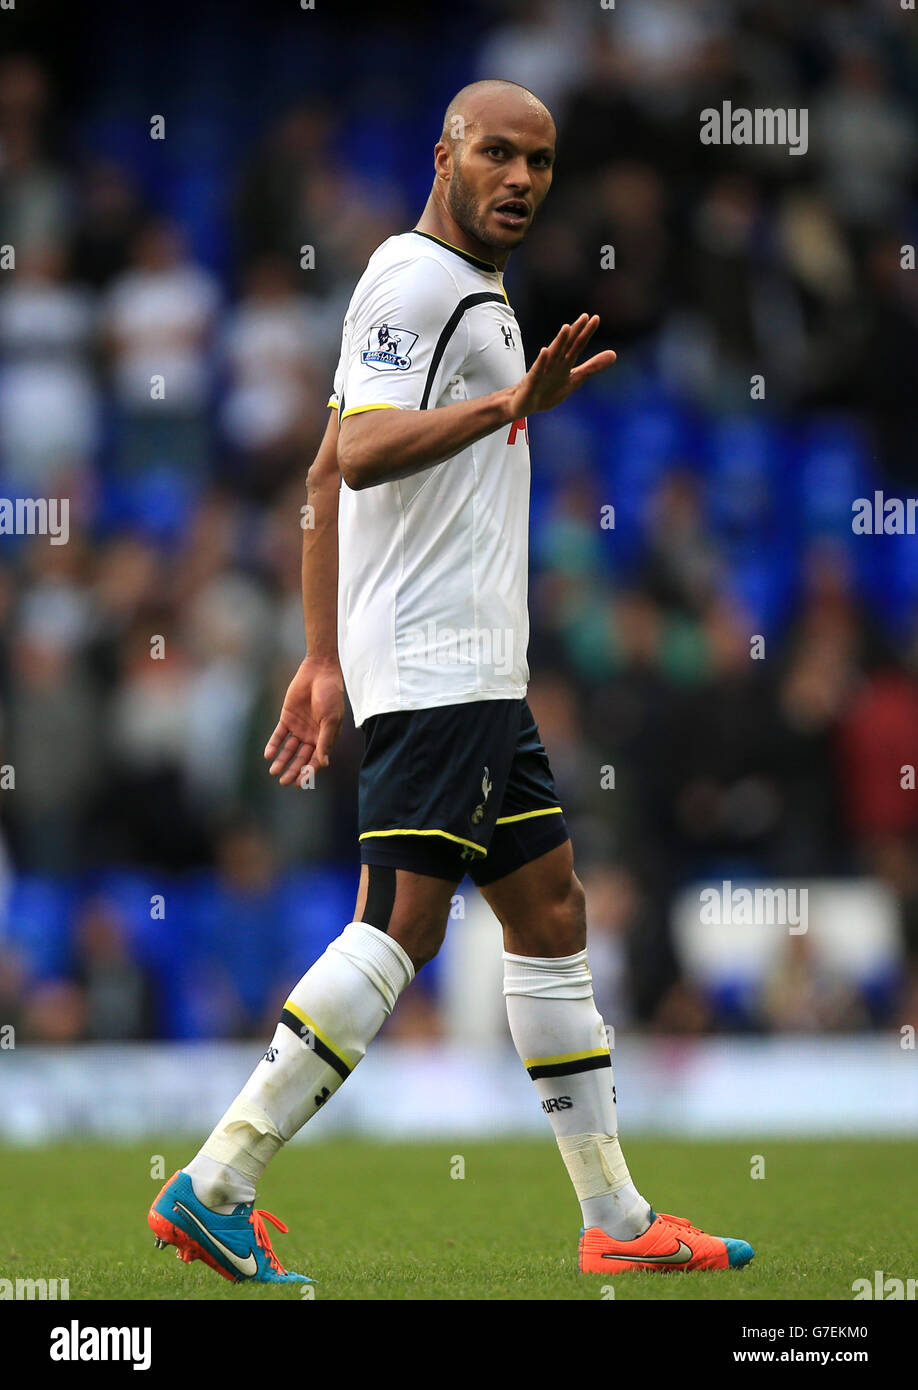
[554,375]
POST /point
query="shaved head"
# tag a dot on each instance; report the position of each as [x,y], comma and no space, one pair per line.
[492,97]
[493,166]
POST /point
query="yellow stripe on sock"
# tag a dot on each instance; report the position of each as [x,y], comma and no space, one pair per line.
[323,1037]
[566,1057]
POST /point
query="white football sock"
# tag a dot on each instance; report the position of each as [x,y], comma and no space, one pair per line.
[326,1025]
[562,1042]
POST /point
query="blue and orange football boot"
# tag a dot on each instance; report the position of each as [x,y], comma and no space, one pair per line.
[669,1245]
[236,1245]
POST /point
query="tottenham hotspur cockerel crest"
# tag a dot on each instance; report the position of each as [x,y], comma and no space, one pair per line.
[478,813]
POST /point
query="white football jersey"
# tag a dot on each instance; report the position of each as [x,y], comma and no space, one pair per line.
[433,569]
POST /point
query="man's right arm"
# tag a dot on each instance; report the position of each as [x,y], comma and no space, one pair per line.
[379,446]
[369,443]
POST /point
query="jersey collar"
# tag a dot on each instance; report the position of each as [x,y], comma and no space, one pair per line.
[457,251]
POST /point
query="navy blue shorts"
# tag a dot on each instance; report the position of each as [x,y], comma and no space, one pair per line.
[460,789]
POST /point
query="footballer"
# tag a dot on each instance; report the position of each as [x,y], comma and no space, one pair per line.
[420,490]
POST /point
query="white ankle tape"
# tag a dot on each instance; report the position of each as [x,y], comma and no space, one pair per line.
[384,962]
[560,977]
[245,1139]
[595,1163]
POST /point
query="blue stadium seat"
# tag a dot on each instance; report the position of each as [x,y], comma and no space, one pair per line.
[133,895]
[832,468]
[315,905]
[157,504]
[745,466]
[41,913]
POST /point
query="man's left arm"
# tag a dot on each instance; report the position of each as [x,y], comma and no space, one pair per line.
[313,709]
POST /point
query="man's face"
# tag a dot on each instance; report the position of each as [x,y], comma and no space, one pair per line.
[501,172]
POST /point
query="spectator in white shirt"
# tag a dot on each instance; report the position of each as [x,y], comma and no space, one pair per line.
[159,323]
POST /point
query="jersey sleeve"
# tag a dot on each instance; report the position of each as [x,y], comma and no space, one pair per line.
[406,341]
[338,381]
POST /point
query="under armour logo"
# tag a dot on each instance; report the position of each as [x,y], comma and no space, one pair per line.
[321,1099]
[508,335]
[271,1054]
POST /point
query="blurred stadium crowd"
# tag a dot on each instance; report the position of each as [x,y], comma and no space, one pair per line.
[141,780]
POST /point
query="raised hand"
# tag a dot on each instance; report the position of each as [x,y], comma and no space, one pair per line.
[554,374]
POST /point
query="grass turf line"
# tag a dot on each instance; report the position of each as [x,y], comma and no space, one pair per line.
[386,1221]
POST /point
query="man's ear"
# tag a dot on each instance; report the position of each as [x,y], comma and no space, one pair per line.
[443,160]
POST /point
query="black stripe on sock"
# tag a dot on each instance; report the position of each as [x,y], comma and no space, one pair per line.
[570,1068]
[305,1033]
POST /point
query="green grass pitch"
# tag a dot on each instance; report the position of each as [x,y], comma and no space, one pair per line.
[388,1221]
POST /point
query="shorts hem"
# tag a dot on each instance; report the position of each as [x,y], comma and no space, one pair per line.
[440,834]
[435,856]
[515,848]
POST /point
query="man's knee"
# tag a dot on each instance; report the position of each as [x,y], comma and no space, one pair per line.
[420,934]
[558,928]
[419,916]
[413,909]
[570,918]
